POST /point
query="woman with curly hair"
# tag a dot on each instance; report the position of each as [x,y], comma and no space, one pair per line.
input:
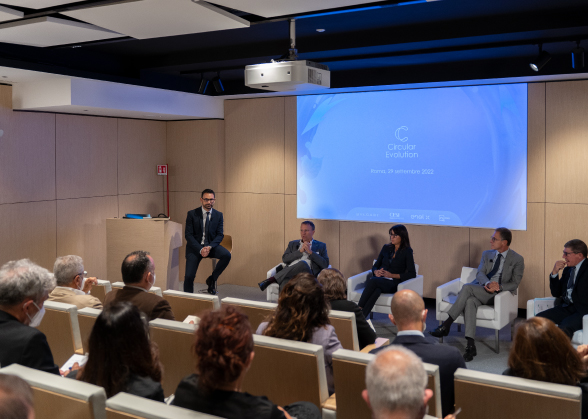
[224,351]
[121,356]
[303,315]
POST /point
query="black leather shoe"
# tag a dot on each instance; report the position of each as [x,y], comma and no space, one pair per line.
[470,353]
[266,283]
[440,332]
[211,285]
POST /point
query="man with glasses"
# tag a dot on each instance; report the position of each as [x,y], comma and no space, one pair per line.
[204,233]
[72,287]
[571,291]
[501,269]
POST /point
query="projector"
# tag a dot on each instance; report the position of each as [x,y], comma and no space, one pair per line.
[288,75]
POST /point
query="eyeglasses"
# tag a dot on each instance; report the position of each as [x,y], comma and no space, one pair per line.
[569,253]
[209,200]
[493,239]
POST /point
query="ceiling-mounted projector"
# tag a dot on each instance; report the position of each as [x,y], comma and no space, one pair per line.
[288,75]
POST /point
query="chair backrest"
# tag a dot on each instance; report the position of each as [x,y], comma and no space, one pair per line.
[153,290]
[346,328]
[467,274]
[86,319]
[60,325]
[184,304]
[175,340]
[513,396]
[100,290]
[257,311]
[58,397]
[287,371]
[349,375]
[227,243]
[128,406]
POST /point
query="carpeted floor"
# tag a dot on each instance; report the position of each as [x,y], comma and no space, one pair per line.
[487,359]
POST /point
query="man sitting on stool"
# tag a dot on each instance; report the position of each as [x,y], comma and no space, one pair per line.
[571,290]
[304,255]
[501,269]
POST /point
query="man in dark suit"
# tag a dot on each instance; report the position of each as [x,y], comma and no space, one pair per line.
[138,273]
[409,315]
[501,269]
[304,255]
[204,233]
[24,287]
[571,291]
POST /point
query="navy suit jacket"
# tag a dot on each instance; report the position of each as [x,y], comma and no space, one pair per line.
[430,351]
[319,259]
[193,231]
[559,287]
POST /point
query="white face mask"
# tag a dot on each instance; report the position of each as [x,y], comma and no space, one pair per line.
[36,319]
[83,283]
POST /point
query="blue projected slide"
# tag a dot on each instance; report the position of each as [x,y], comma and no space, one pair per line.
[453,156]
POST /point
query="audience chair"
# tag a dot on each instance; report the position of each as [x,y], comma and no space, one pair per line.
[100,290]
[128,406]
[58,397]
[227,243]
[503,312]
[175,340]
[513,397]
[257,311]
[184,304]
[86,319]
[60,325]
[356,285]
[287,371]
[153,290]
[273,291]
[580,337]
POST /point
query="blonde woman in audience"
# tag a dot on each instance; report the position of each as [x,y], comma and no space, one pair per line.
[303,315]
[543,352]
[224,351]
[335,288]
[121,357]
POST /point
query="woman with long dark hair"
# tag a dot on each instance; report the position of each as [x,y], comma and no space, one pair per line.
[395,264]
[121,356]
[224,351]
[303,315]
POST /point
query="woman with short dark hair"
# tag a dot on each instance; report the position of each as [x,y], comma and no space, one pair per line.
[121,356]
[224,351]
[335,288]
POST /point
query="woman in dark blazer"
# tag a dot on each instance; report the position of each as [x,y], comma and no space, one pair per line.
[335,289]
[395,264]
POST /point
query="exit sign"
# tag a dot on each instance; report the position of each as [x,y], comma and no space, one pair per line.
[162,169]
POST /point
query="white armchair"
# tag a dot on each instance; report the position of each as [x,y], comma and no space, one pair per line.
[356,285]
[503,312]
[580,336]
[273,291]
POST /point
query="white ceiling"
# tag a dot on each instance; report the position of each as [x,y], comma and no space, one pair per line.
[36,4]
[9,14]
[50,31]
[271,8]
[146,19]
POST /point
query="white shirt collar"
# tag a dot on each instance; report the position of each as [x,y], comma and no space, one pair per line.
[77,292]
[410,333]
[204,211]
[503,253]
[139,288]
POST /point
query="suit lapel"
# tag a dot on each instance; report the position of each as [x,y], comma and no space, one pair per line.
[199,215]
[580,273]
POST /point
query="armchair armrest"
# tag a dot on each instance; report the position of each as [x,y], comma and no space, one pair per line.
[506,306]
[531,306]
[451,287]
[415,284]
[273,270]
[356,281]
[585,329]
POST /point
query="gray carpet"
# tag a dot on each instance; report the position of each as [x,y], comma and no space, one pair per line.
[487,359]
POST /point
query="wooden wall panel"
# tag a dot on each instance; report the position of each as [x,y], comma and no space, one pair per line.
[86,156]
[27,156]
[529,244]
[196,155]
[256,222]
[153,203]
[81,230]
[290,149]
[141,147]
[566,141]
[536,143]
[563,222]
[325,231]
[254,141]
[28,231]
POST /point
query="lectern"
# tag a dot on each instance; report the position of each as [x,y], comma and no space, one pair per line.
[160,237]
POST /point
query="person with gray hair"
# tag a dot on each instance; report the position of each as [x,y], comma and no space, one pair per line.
[72,287]
[16,398]
[24,287]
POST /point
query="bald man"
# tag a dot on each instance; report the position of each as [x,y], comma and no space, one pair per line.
[409,315]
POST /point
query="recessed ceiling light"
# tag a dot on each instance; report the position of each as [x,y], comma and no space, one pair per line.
[320,30]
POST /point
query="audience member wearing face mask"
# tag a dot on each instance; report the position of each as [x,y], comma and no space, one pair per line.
[24,287]
[72,287]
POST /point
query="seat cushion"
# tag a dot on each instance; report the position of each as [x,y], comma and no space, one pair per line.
[484,312]
[384,300]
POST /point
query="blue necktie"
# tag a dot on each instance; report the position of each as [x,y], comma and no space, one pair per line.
[570,285]
[495,268]
[206,227]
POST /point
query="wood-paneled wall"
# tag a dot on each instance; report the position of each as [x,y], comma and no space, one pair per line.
[61,176]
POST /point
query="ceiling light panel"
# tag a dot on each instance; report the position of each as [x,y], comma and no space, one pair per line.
[50,31]
[272,8]
[146,19]
[37,4]
[9,14]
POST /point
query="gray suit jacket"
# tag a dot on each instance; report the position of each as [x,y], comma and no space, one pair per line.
[319,257]
[512,270]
